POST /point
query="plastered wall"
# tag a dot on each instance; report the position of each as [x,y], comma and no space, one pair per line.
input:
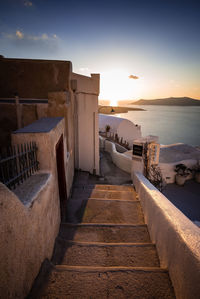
[33,78]
[177,239]
[27,238]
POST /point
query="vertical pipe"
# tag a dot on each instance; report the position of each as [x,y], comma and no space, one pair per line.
[94,144]
[18,111]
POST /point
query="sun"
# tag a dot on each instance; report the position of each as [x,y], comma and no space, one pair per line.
[118,85]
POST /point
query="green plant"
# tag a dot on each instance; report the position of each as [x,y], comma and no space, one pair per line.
[182,170]
[152,172]
[196,168]
[107,128]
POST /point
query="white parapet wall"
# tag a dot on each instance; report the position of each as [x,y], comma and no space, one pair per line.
[122,161]
[177,239]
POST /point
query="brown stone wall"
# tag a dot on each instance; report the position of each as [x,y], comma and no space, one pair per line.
[33,78]
[8,118]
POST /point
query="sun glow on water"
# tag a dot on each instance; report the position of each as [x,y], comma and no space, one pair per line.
[117,85]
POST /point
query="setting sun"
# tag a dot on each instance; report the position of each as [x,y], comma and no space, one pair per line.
[119,85]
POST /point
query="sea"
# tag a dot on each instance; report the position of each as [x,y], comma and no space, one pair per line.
[173,124]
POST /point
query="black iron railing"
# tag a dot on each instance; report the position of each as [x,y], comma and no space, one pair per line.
[17,163]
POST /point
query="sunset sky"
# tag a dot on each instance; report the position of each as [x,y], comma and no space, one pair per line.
[157,41]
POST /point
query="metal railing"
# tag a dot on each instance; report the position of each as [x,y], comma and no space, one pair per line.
[17,163]
[115,138]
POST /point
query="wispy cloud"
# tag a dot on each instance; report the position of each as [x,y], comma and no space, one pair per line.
[133,77]
[40,43]
[28,3]
[84,69]
[19,35]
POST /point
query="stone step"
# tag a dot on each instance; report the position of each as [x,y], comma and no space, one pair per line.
[104,194]
[115,187]
[103,254]
[104,211]
[113,282]
[105,187]
[112,233]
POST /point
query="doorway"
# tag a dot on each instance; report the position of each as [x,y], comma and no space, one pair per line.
[61,177]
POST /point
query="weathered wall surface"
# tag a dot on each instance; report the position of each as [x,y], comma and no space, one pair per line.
[28,232]
[8,118]
[31,78]
[46,154]
[61,104]
[27,238]
[177,239]
[84,84]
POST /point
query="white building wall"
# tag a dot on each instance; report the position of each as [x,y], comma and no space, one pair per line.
[86,91]
[123,127]
[88,140]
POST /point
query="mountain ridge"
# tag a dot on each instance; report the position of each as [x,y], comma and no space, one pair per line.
[171,101]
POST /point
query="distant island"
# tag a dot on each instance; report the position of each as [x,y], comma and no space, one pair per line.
[116,109]
[184,101]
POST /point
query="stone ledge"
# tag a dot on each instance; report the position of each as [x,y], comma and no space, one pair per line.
[29,190]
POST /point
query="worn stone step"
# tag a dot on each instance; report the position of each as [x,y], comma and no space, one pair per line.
[104,194]
[105,187]
[105,233]
[113,282]
[104,254]
[115,187]
[104,211]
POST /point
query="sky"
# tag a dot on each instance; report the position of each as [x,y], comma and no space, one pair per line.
[141,48]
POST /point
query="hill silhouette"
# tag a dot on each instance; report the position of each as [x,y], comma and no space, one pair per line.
[182,101]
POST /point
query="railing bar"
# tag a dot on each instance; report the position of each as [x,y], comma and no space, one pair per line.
[18,163]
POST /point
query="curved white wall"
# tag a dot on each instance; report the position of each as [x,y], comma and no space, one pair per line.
[120,160]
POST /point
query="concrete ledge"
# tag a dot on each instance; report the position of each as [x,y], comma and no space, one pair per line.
[30,189]
[177,239]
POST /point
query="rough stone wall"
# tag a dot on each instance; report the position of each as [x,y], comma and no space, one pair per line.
[27,238]
[33,78]
[8,118]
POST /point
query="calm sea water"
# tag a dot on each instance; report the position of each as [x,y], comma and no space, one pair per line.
[172,124]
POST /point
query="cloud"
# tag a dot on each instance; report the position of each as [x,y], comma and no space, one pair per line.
[19,34]
[84,69]
[28,3]
[133,77]
[31,42]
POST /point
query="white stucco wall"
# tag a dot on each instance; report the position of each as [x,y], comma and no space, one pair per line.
[177,239]
[86,122]
[123,127]
[122,161]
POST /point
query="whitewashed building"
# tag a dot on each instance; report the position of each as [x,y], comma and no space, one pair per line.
[120,126]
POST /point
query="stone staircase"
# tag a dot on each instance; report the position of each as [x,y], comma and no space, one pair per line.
[104,249]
